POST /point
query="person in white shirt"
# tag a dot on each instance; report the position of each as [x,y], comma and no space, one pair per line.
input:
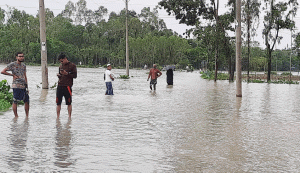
[109,77]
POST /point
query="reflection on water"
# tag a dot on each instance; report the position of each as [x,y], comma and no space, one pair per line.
[63,144]
[194,126]
[153,93]
[18,141]
[238,104]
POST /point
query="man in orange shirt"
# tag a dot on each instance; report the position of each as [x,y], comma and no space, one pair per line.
[154,74]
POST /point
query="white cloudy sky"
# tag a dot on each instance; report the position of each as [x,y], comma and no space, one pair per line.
[31,7]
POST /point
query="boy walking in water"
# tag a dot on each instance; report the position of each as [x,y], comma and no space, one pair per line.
[154,74]
[109,77]
[19,85]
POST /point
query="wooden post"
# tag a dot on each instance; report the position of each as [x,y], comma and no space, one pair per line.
[45,84]
[238,50]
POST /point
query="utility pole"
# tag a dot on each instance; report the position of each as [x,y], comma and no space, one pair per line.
[238,50]
[127,49]
[45,84]
[291,54]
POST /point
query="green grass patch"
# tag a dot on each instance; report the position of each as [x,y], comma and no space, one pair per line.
[286,74]
[284,82]
[211,75]
[273,82]
[255,81]
[272,73]
[124,77]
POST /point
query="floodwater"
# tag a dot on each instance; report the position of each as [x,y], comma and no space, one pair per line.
[194,126]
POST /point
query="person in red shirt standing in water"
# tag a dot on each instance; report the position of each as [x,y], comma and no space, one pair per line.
[67,72]
[154,74]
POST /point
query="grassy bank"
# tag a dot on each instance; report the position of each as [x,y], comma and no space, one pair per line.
[284,78]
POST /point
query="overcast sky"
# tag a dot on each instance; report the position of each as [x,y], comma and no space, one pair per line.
[32,6]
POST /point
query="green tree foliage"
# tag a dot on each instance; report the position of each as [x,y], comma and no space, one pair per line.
[278,16]
[250,15]
[88,38]
[297,41]
[193,12]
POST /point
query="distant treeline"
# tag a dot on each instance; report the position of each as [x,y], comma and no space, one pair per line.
[96,38]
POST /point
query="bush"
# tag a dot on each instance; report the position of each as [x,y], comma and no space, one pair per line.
[4,105]
[211,76]
[285,82]
[6,97]
[255,81]
[286,74]
[272,72]
[124,77]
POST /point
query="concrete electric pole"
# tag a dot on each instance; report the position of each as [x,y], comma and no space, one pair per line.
[238,50]
[45,84]
[127,48]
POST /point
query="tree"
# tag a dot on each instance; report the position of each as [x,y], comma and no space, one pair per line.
[278,16]
[297,41]
[192,12]
[152,19]
[2,17]
[250,16]
[79,13]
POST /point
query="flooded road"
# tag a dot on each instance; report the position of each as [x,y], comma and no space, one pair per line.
[194,126]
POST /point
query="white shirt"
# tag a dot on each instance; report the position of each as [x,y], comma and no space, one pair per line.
[107,76]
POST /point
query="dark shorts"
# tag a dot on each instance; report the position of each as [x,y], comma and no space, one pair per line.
[153,82]
[64,91]
[109,89]
[20,94]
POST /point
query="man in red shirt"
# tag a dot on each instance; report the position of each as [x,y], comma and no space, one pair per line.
[154,74]
[67,72]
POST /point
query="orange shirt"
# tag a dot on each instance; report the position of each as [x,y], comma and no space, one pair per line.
[153,73]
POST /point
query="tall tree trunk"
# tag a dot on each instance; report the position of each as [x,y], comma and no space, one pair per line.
[248,59]
[229,70]
[218,34]
[269,63]
[216,64]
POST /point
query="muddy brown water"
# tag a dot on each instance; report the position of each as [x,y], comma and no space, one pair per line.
[195,125]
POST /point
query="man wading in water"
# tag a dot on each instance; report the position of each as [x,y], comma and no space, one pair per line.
[109,77]
[19,85]
[154,74]
[67,72]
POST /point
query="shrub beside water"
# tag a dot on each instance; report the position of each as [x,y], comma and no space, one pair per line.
[286,74]
[255,81]
[124,77]
[284,82]
[211,75]
[272,73]
[6,97]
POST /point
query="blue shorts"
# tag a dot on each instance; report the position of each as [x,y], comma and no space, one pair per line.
[20,94]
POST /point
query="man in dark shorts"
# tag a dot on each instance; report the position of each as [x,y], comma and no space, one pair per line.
[154,74]
[67,72]
[19,85]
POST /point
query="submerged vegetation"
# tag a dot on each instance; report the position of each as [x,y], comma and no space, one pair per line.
[124,77]
[211,75]
[284,78]
[6,97]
